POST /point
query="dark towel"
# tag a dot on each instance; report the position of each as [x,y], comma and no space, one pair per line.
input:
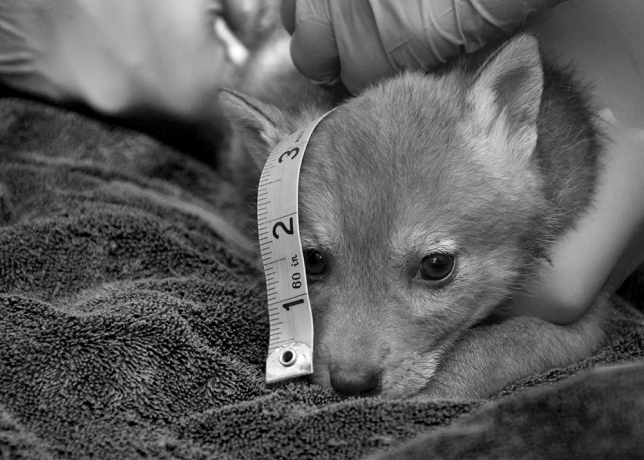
[133,325]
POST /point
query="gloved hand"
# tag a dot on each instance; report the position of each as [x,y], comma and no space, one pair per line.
[358,42]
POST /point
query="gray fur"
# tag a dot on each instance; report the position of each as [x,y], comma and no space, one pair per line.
[488,163]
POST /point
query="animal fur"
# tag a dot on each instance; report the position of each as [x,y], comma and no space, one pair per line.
[487,164]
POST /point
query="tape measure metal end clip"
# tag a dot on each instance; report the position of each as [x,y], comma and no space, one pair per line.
[292,360]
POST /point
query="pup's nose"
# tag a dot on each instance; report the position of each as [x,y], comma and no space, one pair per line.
[355,381]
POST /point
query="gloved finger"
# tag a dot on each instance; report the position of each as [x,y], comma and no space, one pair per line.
[313,45]
[338,41]
[287,12]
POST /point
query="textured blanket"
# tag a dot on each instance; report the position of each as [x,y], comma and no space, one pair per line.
[133,324]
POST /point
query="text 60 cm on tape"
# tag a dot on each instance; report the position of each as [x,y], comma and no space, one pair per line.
[290,349]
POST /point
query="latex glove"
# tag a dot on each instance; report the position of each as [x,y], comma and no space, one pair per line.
[358,42]
[121,56]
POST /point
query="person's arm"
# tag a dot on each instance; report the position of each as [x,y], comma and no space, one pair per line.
[604,43]
[606,245]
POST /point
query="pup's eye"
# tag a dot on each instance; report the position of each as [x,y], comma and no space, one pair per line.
[314,264]
[436,268]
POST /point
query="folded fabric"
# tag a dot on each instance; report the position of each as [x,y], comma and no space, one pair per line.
[133,324]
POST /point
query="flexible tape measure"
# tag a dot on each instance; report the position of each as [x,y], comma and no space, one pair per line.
[290,349]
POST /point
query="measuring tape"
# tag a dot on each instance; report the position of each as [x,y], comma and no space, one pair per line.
[290,349]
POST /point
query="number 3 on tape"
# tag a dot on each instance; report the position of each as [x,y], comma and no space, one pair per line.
[290,350]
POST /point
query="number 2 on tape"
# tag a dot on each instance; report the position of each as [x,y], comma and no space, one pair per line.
[290,349]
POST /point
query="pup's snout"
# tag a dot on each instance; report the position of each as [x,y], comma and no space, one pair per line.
[355,380]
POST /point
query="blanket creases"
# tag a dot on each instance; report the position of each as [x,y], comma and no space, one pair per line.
[133,324]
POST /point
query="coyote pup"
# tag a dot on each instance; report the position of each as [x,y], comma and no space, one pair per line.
[424,204]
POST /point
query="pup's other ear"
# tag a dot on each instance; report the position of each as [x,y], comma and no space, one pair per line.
[508,89]
[260,125]
[513,77]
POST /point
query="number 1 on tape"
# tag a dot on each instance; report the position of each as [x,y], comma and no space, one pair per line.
[290,350]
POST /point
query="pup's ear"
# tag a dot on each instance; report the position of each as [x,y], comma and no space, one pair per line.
[260,126]
[508,90]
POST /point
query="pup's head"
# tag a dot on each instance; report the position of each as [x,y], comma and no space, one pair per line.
[417,202]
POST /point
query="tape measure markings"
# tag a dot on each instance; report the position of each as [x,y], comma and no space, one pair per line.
[291,323]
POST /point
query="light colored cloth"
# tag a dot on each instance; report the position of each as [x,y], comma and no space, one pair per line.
[119,55]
